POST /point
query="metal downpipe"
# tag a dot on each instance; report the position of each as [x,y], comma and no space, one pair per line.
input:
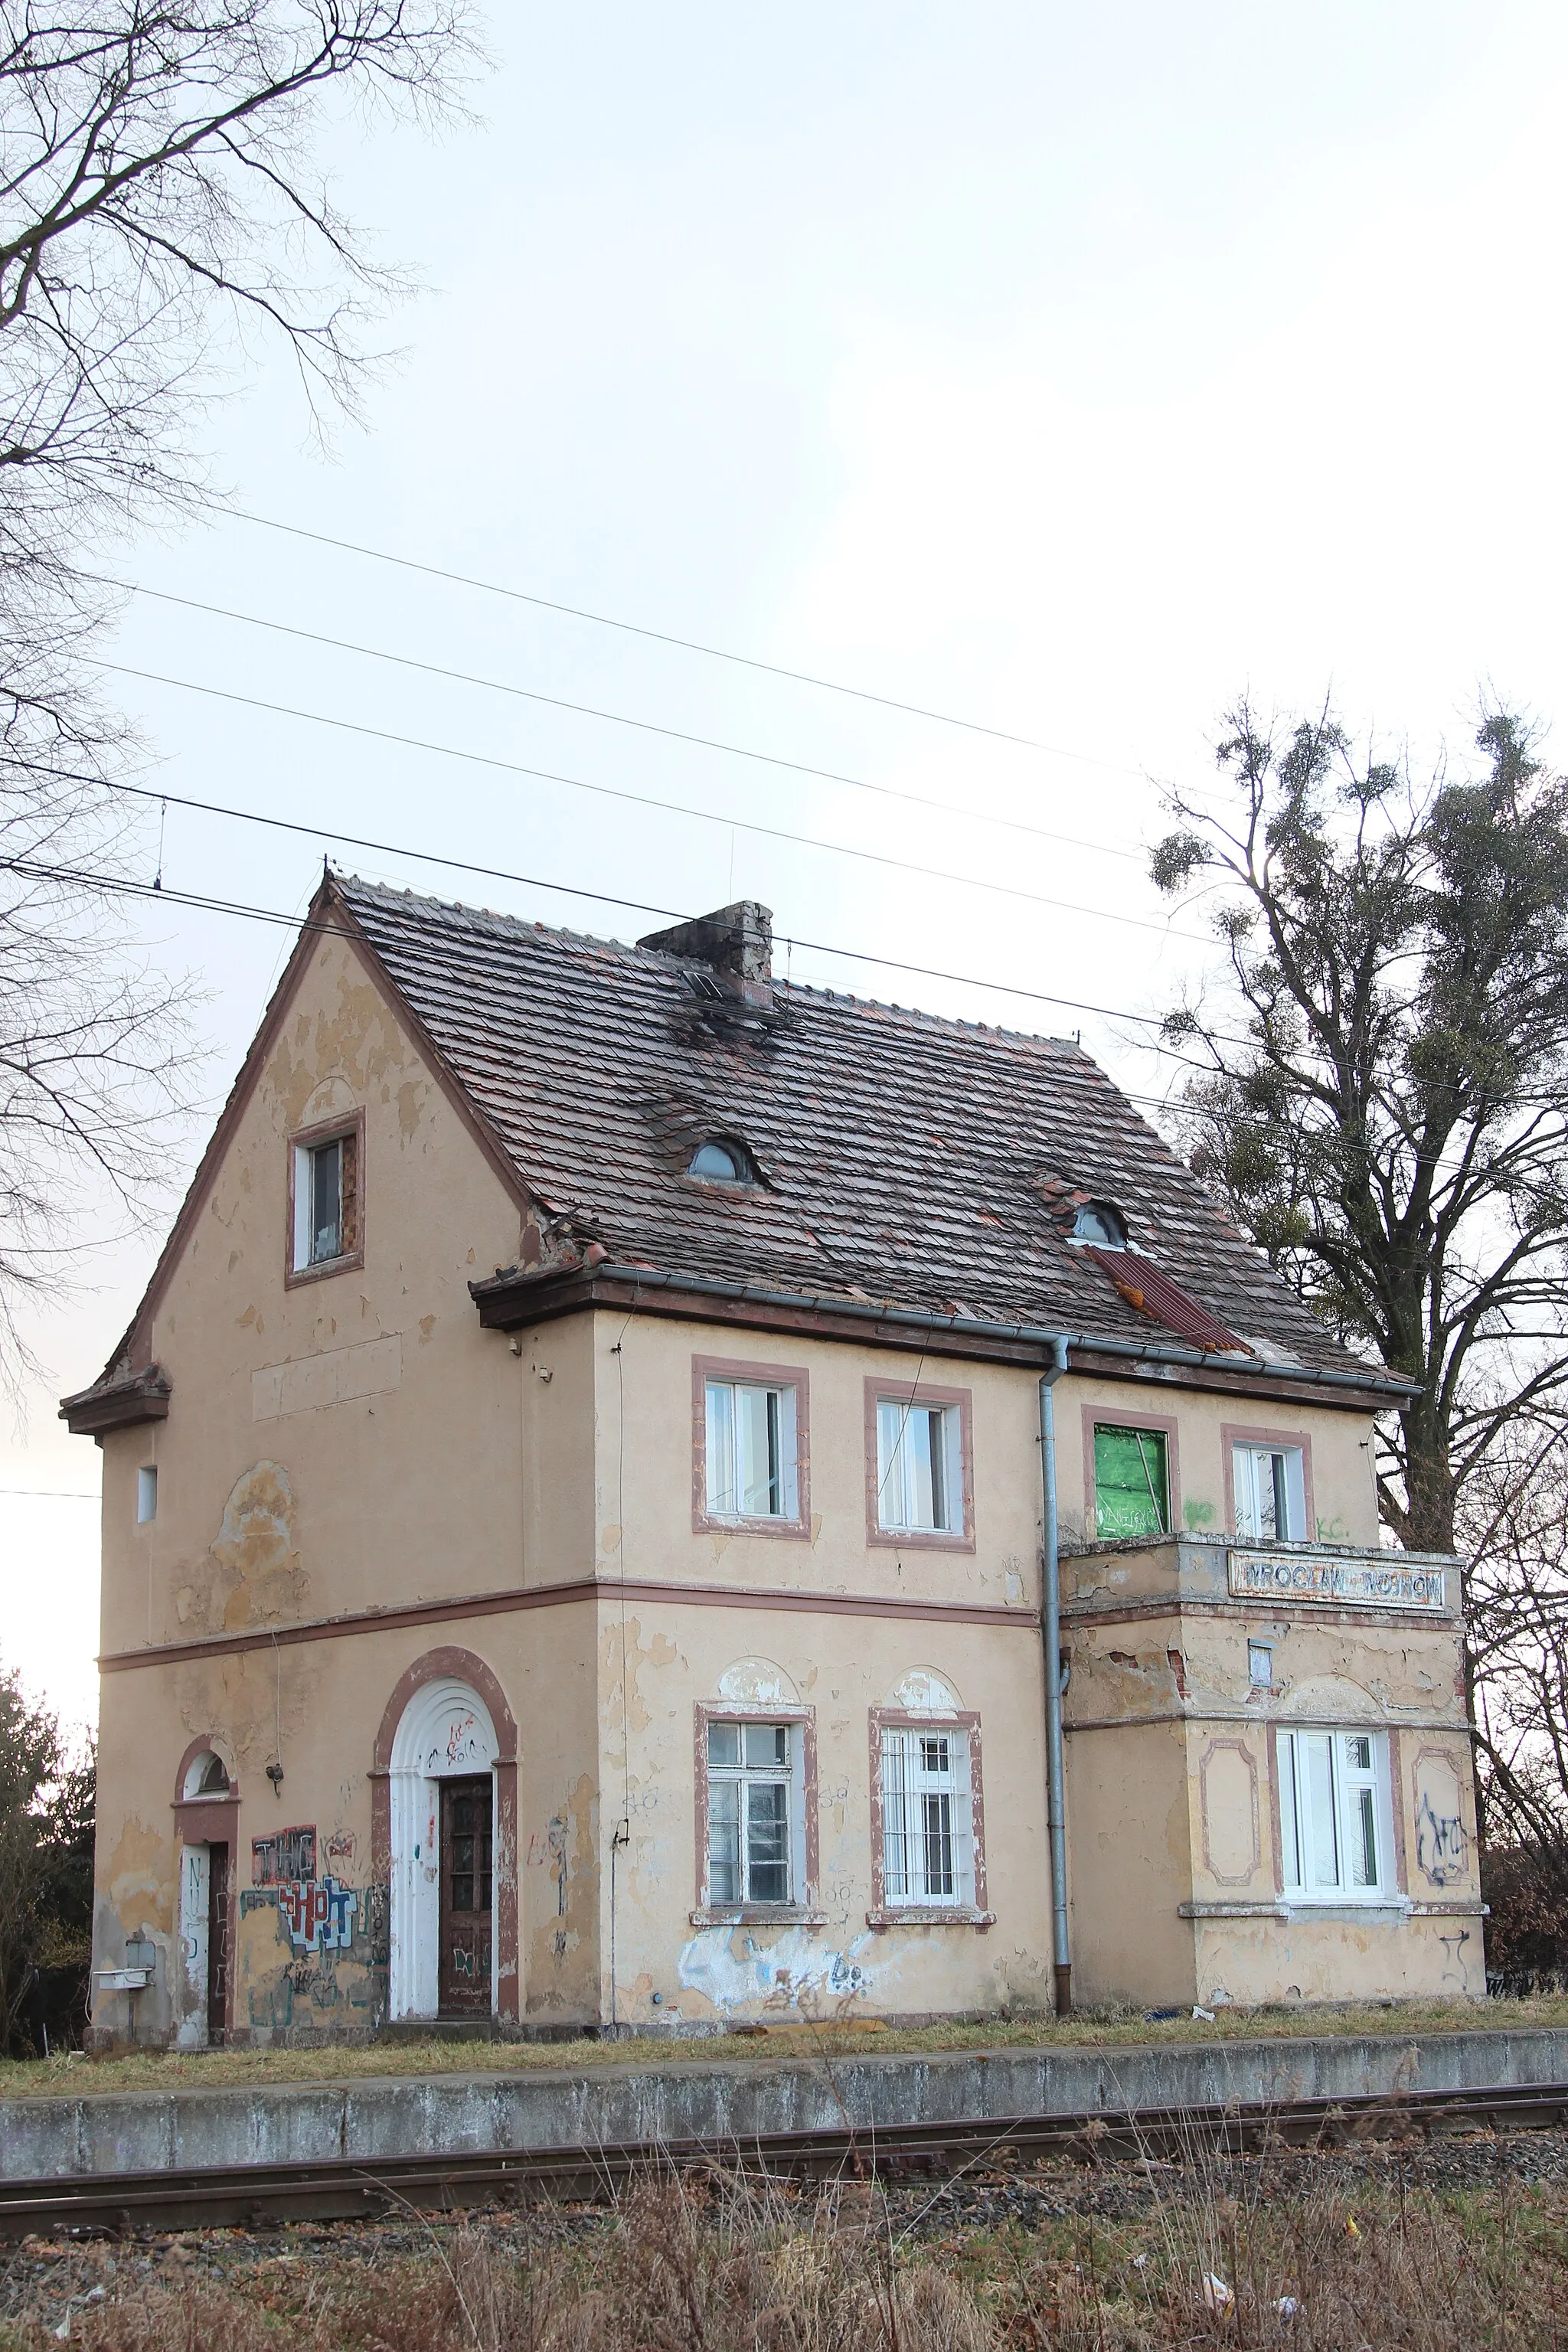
[1051,1634]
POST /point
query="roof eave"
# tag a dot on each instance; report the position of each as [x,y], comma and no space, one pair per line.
[124,1402]
[514,1297]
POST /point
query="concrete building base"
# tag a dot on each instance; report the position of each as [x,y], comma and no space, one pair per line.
[733,2101]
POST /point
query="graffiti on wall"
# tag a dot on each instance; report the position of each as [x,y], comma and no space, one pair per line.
[285,1854]
[1442,1849]
[319,1914]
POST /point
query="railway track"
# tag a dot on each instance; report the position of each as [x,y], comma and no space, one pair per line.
[346,2188]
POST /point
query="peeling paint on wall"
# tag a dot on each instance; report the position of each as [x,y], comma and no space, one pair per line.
[252,1574]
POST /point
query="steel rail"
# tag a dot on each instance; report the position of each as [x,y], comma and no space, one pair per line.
[347,2187]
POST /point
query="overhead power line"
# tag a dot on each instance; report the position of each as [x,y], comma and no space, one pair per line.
[685,644]
[203,902]
[620,719]
[116,884]
[650,800]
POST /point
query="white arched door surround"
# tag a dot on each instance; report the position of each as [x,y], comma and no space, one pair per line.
[445,1733]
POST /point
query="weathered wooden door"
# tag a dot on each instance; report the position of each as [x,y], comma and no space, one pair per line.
[465,1969]
[217,1942]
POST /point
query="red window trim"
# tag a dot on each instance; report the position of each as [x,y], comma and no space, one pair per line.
[879,1390]
[705,1912]
[306,1138]
[883,1914]
[773,1376]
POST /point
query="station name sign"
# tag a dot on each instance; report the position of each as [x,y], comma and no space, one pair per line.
[1386,1583]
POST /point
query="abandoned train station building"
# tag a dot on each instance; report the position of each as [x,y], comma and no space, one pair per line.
[640,1495]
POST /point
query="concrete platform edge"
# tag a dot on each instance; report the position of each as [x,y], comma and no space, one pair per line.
[731,2101]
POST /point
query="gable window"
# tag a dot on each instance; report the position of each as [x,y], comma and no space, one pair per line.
[750,1449]
[326,1201]
[750,1783]
[722,1161]
[1131,1481]
[920,1467]
[1271,1494]
[1334,1840]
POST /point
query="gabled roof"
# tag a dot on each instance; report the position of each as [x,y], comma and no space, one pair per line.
[929,1164]
[909,1167]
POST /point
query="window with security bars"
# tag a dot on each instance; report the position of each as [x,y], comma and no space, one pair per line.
[1333,1814]
[919,1468]
[1271,1494]
[750,1784]
[751,1451]
[928,1844]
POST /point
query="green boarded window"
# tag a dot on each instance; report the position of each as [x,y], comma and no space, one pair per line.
[1131,1487]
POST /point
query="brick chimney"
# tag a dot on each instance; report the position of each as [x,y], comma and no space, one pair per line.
[737,941]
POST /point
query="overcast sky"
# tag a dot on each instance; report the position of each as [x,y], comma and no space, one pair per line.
[1067,370]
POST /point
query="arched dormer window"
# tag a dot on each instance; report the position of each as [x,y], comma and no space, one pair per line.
[1098,1226]
[722,1160]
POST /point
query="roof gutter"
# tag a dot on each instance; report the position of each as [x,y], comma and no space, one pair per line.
[646,1277]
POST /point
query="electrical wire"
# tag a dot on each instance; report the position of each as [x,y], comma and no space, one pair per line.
[685,644]
[115,885]
[202,903]
[620,719]
[650,800]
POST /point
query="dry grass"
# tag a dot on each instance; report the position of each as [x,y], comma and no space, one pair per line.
[842,2035]
[1315,2260]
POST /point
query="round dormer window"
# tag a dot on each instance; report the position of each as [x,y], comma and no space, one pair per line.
[1098,1226]
[720,1162]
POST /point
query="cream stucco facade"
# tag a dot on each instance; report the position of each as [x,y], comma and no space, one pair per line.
[390,1548]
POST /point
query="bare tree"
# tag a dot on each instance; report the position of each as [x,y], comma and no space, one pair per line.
[161,215]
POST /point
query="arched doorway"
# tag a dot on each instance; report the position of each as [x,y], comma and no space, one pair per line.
[445,1786]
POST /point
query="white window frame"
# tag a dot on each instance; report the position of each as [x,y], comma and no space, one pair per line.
[913,1789]
[725,1493]
[898,1467]
[1356,1796]
[349,1144]
[791,1776]
[146,1493]
[1262,1477]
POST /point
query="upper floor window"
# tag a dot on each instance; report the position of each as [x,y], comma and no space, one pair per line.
[751,1450]
[147,1493]
[1271,1494]
[920,1467]
[1131,1481]
[1334,1811]
[1098,1223]
[722,1161]
[326,1201]
[750,1787]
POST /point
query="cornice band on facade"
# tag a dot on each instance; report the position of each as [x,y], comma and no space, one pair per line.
[508,1302]
[1252,1613]
[1256,1716]
[555,1596]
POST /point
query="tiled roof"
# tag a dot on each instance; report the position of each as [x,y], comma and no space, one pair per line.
[905,1159]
